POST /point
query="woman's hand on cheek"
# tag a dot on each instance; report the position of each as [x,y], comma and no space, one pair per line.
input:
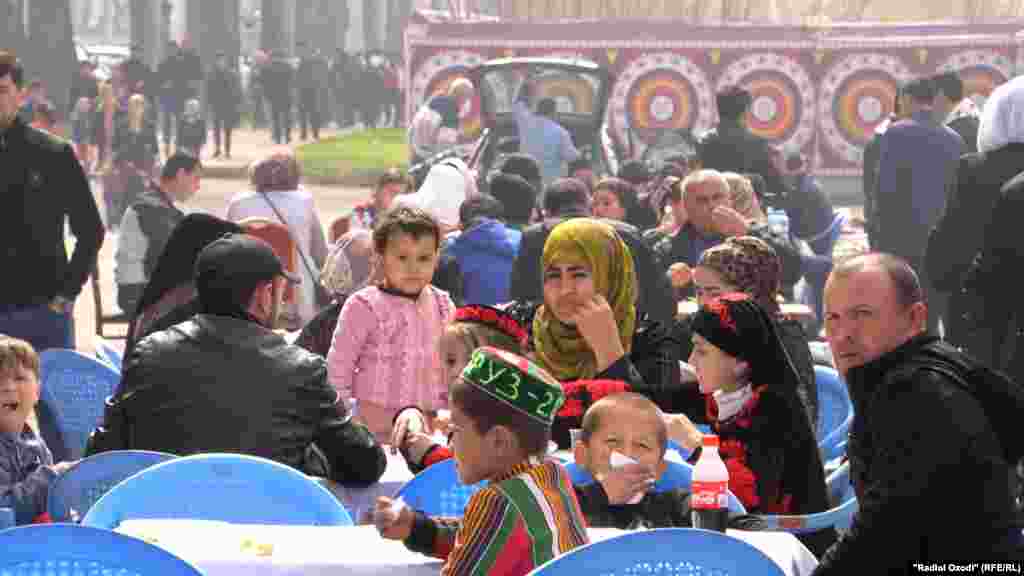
[595,321]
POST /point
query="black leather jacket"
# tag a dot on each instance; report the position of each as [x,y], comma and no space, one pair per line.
[224,384]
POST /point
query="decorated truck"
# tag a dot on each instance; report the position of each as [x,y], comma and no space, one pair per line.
[821,90]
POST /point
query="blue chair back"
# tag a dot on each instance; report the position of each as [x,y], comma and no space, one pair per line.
[663,550]
[839,518]
[840,485]
[676,476]
[106,352]
[74,492]
[74,389]
[56,549]
[437,491]
[835,411]
[823,243]
[228,487]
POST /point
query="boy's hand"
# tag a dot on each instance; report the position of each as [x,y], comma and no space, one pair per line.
[410,421]
[393,523]
[623,484]
[62,467]
[683,431]
[680,274]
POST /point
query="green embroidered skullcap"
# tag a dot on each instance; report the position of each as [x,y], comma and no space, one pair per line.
[515,381]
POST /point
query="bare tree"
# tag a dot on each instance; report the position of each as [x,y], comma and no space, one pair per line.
[49,51]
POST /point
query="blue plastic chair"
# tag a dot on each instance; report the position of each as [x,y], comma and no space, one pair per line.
[437,491]
[840,485]
[73,493]
[839,517]
[676,476]
[835,412]
[74,391]
[228,487]
[59,549]
[106,352]
[663,551]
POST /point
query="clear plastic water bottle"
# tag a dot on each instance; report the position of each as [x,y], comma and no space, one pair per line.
[709,498]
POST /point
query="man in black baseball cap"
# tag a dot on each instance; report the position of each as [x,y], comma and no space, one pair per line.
[240,276]
[223,381]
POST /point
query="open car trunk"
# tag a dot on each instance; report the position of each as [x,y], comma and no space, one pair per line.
[579,88]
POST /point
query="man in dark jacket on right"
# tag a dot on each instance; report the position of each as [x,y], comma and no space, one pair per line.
[224,381]
[928,463]
[731,147]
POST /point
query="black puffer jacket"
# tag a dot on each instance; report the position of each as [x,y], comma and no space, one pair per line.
[929,471]
[223,384]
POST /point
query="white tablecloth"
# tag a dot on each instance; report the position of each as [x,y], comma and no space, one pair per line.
[358,501]
[221,549]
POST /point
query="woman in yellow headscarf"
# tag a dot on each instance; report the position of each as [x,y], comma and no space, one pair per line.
[587,332]
[588,317]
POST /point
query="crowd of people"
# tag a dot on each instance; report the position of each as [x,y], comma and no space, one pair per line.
[480,317]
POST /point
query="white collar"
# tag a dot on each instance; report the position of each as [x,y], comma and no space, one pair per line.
[730,403]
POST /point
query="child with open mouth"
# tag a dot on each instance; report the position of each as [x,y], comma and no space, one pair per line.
[26,464]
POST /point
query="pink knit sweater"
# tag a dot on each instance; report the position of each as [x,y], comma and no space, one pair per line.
[385,348]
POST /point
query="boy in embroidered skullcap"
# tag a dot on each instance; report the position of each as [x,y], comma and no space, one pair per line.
[502,409]
[474,326]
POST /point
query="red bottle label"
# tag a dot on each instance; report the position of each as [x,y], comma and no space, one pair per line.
[708,496]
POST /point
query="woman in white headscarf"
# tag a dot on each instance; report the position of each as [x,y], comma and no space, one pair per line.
[967,223]
[447,185]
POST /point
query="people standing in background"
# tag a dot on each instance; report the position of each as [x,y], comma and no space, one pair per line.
[918,158]
[435,127]
[955,110]
[224,94]
[732,147]
[135,152]
[278,80]
[869,174]
[136,75]
[38,305]
[172,101]
[540,134]
[84,85]
[192,129]
[147,226]
[309,81]
[35,94]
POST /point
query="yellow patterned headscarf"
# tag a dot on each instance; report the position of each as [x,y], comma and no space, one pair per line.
[560,349]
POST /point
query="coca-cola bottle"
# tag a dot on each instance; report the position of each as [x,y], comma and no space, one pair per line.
[709,499]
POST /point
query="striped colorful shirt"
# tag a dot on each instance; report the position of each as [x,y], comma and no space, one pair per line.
[519,521]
